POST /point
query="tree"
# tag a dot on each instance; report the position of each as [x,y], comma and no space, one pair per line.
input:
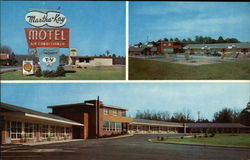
[64,59]
[178,117]
[224,116]
[220,40]
[189,40]
[171,40]
[244,117]
[176,39]
[107,52]
[184,40]
[165,39]
[139,44]
[199,39]
[232,40]
[6,50]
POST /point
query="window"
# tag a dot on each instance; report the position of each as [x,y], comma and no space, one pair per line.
[115,112]
[15,129]
[106,126]
[62,132]
[68,132]
[106,111]
[112,126]
[86,60]
[52,131]
[118,126]
[29,130]
[45,131]
[124,113]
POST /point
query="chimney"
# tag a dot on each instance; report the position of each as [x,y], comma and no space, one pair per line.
[97,117]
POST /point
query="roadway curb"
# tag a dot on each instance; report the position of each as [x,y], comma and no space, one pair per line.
[4,148]
[52,142]
[204,145]
[117,137]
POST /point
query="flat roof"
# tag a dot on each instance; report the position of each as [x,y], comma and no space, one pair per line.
[72,104]
[114,107]
[155,122]
[92,57]
[36,114]
[87,103]
[215,125]
[220,45]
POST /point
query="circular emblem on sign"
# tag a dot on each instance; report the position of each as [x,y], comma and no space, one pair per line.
[49,61]
[32,51]
[27,67]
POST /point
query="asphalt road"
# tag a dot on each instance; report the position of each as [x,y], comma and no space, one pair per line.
[129,148]
[8,68]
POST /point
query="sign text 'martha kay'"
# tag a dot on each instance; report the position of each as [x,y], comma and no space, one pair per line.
[51,18]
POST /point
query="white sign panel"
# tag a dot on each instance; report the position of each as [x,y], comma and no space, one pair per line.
[49,60]
[50,18]
[28,67]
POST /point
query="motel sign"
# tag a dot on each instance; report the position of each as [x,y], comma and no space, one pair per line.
[47,38]
[46,42]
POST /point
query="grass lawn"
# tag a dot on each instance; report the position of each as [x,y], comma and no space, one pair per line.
[143,69]
[73,74]
[218,140]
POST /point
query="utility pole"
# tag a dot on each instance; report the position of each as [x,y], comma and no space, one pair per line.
[198,116]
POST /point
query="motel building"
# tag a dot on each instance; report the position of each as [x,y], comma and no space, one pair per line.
[161,47]
[242,48]
[85,61]
[22,125]
[90,119]
[99,120]
[143,126]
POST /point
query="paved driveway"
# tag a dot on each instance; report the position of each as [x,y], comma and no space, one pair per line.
[129,148]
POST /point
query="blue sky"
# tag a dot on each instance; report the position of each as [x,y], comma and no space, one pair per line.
[94,26]
[206,97]
[188,19]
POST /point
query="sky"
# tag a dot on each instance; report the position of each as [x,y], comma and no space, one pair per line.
[159,20]
[206,97]
[94,26]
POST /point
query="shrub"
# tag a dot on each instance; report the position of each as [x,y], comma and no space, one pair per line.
[49,73]
[206,135]
[182,137]
[60,71]
[38,72]
[212,135]
[162,138]
[195,136]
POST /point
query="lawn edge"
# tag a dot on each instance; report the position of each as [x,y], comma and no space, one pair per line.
[206,145]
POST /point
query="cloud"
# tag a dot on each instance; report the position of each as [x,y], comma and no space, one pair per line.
[187,19]
[168,7]
[198,26]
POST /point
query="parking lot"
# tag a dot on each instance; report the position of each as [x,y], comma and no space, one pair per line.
[133,148]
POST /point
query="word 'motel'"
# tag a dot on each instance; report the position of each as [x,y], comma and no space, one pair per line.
[52,35]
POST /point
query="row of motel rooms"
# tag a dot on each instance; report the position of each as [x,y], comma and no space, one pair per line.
[90,119]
